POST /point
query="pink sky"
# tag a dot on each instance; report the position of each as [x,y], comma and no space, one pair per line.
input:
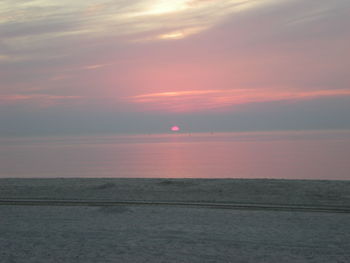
[173,57]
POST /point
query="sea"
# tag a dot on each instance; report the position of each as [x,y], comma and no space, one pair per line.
[322,155]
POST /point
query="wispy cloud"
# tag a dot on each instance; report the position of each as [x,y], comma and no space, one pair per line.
[199,100]
[39,100]
[30,22]
[11,58]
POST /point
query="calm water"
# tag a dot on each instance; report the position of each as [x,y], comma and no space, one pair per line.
[290,155]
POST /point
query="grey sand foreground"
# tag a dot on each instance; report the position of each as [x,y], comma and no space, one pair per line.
[132,233]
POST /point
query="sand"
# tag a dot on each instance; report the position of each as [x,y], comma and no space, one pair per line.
[210,190]
[173,234]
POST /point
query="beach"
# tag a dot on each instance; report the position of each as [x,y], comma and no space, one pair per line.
[171,233]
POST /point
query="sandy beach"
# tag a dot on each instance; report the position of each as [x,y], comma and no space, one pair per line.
[149,233]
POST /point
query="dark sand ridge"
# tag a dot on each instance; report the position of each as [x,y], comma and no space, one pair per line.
[254,191]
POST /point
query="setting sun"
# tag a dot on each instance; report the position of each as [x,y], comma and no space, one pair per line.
[175,128]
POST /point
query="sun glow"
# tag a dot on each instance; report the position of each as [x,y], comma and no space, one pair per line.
[164,6]
[173,35]
[181,33]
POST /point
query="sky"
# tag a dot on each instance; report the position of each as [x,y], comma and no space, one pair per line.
[142,66]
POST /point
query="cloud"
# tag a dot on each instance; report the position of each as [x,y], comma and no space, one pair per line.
[39,100]
[11,58]
[203,100]
[28,23]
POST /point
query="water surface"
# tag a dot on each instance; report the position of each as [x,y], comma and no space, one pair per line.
[289,155]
